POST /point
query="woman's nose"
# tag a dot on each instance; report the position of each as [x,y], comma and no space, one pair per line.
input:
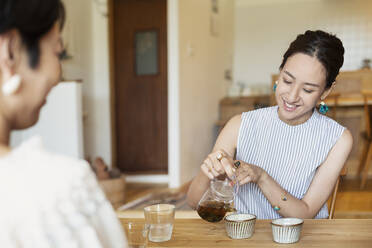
[293,94]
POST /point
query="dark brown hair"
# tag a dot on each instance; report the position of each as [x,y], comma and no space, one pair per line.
[327,48]
[33,19]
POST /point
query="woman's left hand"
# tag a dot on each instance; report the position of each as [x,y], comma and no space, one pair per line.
[248,173]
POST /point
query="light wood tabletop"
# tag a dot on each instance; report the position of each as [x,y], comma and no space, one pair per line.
[315,233]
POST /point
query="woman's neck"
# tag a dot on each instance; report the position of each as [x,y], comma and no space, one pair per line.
[4,137]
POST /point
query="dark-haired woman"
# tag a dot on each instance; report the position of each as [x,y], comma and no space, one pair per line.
[47,200]
[290,154]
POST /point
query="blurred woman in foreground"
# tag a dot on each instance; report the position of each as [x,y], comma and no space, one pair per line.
[47,200]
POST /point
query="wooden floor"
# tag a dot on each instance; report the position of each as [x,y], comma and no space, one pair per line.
[138,190]
[352,203]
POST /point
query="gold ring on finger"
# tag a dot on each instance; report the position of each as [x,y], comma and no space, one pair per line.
[219,156]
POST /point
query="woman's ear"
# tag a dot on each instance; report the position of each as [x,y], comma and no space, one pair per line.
[10,48]
[327,91]
[6,56]
[9,53]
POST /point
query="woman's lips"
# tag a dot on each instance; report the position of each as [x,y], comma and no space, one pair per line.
[289,107]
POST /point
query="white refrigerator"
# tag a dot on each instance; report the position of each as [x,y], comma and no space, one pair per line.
[61,122]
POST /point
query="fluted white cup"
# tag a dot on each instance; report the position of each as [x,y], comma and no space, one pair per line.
[286,230]
[240,226]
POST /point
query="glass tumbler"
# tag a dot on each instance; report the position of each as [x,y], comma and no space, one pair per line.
[160,219]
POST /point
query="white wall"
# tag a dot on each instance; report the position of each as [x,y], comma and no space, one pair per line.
[203,59]
[87,38]
[196,81]
[174,143]
[264,29]
[98,123]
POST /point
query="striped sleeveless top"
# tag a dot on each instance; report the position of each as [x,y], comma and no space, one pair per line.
[289,154]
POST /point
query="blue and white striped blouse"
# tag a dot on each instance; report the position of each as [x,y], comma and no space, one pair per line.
[289,154]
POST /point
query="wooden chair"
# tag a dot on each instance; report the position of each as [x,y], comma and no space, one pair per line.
[366,158]
[333,197]
[332,100]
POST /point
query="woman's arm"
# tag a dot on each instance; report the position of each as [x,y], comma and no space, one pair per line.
[226,143]
[319,190]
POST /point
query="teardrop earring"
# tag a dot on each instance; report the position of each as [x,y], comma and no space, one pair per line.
[275,85]
[11,85]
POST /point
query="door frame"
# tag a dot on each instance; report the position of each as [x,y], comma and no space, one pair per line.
[174,152]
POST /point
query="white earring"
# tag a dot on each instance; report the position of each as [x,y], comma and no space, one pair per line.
[11,85]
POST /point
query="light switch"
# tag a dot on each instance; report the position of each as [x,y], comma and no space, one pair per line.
[190,50]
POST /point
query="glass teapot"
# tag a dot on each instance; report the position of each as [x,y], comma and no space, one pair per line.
[218,199]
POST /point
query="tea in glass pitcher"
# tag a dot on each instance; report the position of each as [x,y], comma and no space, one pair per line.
[217,200]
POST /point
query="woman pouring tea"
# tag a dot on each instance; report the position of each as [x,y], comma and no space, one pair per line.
[290,154]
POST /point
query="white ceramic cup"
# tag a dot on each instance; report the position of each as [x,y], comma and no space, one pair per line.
[240,226]
[287,230]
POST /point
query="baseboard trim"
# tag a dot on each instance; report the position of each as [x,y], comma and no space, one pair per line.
[147,178]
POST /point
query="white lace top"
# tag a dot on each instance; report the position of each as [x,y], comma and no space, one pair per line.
[52,201]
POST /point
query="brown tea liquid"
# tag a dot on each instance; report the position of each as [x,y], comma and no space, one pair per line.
[212,211]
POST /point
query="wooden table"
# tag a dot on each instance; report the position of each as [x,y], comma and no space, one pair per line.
[315,233]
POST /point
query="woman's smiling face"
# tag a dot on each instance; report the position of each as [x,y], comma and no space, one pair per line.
[301,84]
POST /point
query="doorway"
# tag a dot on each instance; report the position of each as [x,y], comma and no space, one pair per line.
[139,49]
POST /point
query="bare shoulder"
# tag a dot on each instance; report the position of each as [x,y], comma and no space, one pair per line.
[232,126]
[234,122]
[344,144]
[346,139]
[228,137]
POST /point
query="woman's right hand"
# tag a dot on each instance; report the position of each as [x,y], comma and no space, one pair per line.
[218,163]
